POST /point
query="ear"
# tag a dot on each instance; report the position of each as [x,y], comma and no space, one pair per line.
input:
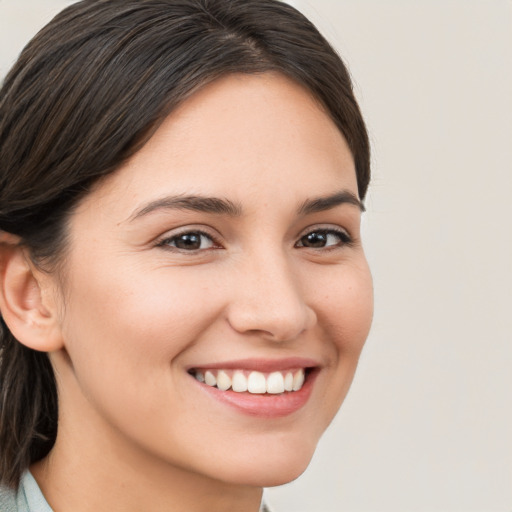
[25,302]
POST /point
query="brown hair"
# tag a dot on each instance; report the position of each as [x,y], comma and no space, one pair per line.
[85,94]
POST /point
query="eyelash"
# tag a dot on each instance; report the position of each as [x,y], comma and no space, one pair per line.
[166,242]
[344,240]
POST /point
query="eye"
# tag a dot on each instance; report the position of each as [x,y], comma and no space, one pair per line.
[324,238]
[188,241]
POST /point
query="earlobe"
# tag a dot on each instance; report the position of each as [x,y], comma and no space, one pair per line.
[32,322]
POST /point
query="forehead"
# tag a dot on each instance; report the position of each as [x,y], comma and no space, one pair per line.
[238,136]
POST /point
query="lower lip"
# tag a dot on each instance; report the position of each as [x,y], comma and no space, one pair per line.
[264,405]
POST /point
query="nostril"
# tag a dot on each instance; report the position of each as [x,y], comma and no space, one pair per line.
[274,322]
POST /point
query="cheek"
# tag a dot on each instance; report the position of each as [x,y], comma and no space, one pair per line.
[345,315]
[346,308]
[124,332]
[128,322]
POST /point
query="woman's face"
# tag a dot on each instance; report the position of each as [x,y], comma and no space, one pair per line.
[228,248]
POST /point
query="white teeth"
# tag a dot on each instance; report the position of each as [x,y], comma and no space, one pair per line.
[257,383]
[288,382]
[298,380]
[239,383]
[275,383]
[210,379]
[223,381]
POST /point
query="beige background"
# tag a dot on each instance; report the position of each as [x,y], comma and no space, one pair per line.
[428,423]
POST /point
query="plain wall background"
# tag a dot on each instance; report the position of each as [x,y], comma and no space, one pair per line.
[427,425]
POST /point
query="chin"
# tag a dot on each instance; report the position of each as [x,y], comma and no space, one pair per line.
[271,466]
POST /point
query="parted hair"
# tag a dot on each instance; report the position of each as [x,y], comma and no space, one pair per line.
[86,94]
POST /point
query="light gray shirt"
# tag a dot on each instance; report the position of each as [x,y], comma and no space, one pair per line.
[29,497]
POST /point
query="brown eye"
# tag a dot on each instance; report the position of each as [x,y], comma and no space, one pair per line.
[316,239]
[324,238]
[190,241]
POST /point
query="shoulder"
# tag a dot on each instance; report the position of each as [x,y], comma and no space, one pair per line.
[8,500]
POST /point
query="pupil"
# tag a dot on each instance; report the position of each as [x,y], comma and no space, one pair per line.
[189,241]
[315,239]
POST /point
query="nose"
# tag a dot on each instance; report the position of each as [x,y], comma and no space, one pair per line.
[268,301]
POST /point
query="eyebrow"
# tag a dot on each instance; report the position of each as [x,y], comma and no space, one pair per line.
[220,206]
[214,205]
[321,204]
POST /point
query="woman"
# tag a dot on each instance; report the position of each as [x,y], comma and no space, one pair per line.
[184,293]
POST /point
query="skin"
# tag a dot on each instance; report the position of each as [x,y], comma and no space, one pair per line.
[133,314]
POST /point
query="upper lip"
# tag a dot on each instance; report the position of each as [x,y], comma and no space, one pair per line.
[261,365]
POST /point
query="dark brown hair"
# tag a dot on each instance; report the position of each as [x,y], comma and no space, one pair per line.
[86,93]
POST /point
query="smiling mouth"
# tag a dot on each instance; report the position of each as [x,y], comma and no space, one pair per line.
[254,382]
